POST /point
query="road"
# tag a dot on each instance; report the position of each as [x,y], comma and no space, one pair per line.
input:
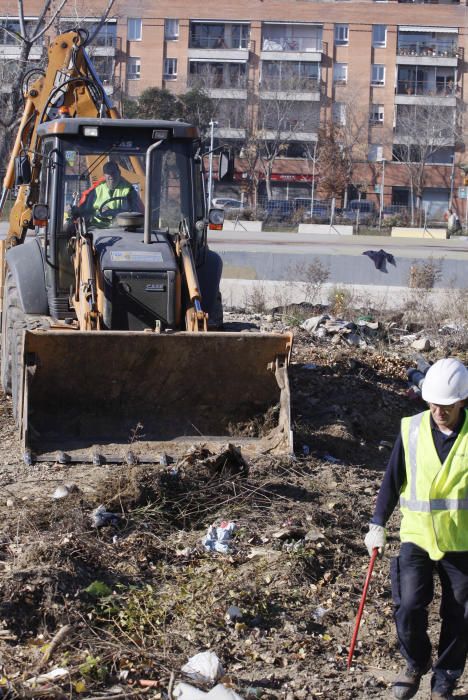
[274,260]
[278,263]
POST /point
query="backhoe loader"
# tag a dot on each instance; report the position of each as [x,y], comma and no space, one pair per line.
[107,347]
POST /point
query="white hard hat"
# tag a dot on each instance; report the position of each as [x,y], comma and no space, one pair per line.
[446,382]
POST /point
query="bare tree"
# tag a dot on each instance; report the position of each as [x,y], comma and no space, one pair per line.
[279,120]
[342,145]
[421,133]
[28,35]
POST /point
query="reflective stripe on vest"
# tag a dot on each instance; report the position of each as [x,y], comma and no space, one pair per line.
[434,500]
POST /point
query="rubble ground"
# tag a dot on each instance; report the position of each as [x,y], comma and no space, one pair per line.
[121,608]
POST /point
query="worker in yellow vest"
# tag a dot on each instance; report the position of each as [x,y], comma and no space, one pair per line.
[109,196]
[428,473]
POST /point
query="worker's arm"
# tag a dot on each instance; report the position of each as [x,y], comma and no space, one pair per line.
[389,493]
[392,484]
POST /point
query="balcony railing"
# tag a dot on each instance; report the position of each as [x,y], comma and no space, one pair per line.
[200,41]
[439,49]
[109,41]
[301,43]
[215,82]
[290,84]
[440,88]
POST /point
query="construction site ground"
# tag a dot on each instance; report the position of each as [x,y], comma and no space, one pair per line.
[136,599]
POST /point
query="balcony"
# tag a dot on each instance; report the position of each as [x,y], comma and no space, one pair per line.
[211,41]
[105,45]
[430,52]
[219,85]
[305,48]
[441,137]
[441,91]
[299,89]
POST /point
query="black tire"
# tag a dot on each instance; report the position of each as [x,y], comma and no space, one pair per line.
[10,304]
[14,324]
[216,318]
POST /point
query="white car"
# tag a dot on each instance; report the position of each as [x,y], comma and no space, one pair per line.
[226,203]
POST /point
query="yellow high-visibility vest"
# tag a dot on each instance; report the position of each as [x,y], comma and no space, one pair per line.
[434,500]
[102,194]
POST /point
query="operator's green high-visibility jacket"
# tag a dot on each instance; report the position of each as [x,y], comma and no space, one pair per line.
[120,195]
[434,499]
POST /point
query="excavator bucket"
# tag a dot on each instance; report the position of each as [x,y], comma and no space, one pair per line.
[119,397]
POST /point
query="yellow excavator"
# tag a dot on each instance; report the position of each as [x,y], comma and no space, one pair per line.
[110,294]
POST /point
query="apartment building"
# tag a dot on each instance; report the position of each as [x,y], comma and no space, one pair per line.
[390,72]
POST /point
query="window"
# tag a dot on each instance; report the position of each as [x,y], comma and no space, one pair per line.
[170,68]
[340,72]
[134,29]
[133,68]
[376,115]
[378,74]
[375,153]
[339,113]
[171,29]
[379,35]
[341,34]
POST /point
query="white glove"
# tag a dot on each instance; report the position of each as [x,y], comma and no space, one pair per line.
[376,537]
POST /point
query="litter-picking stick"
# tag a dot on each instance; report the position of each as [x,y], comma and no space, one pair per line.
[375,551]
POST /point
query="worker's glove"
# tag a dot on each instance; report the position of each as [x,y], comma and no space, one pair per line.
[375,538]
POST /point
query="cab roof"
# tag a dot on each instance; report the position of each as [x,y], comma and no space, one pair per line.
[75,125]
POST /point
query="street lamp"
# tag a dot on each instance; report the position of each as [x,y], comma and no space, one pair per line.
[313,180]
[210,171]
[382,188]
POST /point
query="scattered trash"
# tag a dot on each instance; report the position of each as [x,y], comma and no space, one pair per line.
[423,344]
[218,538]
[203,667]
[305,450]
[233,614]
[290,533]
[380,259]
[184,691]
[310,365]
[320,613]
[311,324]
[56,674]
[220,692]
[101,517]
[64,490]
[314,535]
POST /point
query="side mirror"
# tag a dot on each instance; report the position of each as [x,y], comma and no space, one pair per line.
[225,165]
[22,170]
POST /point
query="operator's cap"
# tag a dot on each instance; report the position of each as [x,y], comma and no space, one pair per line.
[446,382]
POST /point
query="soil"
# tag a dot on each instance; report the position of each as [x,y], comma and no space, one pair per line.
[141,595]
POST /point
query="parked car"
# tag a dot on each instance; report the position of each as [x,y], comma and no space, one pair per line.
[365,207]
[279,209]
[320,210]
[226,203]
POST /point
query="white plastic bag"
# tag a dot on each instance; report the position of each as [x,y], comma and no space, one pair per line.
[184,691]
[204,666]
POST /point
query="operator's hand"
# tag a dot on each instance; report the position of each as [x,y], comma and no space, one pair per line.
[376,537]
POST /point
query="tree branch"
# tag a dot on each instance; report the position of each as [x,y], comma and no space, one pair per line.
[104,16]
[41,32]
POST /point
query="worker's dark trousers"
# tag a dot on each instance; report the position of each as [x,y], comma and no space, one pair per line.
[413,589]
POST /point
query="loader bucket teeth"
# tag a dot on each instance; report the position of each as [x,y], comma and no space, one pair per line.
[117,394]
